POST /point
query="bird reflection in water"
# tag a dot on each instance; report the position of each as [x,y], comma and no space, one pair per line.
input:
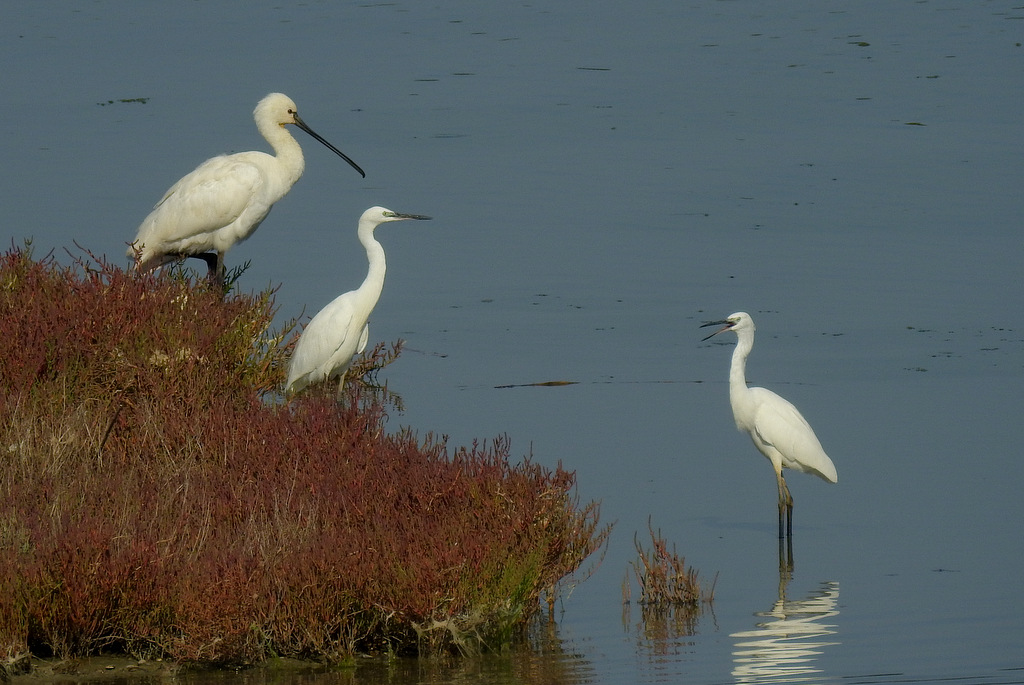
[787,638]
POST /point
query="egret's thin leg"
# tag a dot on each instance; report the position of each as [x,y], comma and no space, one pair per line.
[785,504]
[782,516]
[785,561]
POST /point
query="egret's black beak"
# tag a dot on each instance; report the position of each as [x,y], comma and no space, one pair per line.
[725,323]
[302,124]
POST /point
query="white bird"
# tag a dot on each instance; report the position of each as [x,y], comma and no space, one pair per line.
[777,428]
[227,197]
[340,330]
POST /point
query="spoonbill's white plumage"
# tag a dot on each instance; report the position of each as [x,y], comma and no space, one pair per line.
[340,330]
[226,198]
[777,428]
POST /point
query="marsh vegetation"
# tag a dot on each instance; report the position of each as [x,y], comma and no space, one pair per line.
[159,499]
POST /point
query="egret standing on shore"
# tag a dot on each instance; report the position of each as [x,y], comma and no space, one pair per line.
[227,197]
[340,330]
[777,428]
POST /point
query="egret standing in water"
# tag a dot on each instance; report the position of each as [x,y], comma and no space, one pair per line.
[777,428]
[340,330]
[227,197]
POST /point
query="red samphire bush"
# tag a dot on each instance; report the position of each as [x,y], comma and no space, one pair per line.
[156,497]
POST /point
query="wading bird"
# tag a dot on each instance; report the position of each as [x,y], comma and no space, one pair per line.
[227,197]
[777,428]
[340,330]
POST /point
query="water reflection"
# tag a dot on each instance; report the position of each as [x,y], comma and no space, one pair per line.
[544,657]
[783,647]
[664,637]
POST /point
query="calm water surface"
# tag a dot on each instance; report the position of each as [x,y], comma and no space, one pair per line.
[605,176]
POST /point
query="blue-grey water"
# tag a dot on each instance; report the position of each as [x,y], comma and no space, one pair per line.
[604,177]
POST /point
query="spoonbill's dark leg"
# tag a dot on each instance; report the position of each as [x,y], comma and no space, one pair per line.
[214,265]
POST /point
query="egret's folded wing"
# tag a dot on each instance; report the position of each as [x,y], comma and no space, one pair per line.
[320,346]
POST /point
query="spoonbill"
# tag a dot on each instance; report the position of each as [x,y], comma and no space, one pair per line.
[340,330]
[226,198]
[777,428]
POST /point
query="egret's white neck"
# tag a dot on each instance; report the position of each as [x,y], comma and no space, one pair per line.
[737,372]
[374,281]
